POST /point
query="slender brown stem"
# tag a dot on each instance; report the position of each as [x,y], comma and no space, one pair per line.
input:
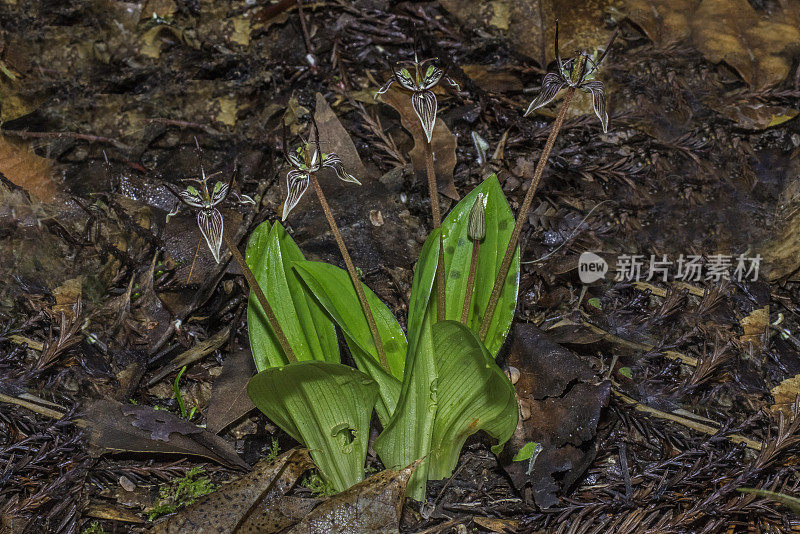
[473,268]
[522,216]
[373,327]
[262,299]
[433,190]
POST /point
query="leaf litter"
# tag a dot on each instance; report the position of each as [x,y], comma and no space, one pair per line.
[700,156]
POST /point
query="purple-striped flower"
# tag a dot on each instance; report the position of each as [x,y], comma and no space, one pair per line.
[578,73]
[305,160]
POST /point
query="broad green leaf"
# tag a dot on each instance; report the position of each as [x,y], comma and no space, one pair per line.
[311,334]
[458,256]
[334,290]
[421,288]
[453,390]
[489,404]
[325,406]
[407,436]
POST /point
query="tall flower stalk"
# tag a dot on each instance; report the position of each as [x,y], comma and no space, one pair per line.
[573,74]
[419,80]
[205,200]
[306,161]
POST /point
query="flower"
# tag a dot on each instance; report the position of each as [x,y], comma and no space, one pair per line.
[420,84]
[209,219]
[305,160]
[577,73]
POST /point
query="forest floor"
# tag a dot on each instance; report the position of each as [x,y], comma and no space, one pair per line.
[654,401]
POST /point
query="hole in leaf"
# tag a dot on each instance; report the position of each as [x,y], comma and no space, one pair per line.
[344,435]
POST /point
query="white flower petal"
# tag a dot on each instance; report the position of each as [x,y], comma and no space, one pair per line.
[210,223]
[296,185]
[334,162]
[551,85]
[385,87]
[598,101]
[424,103]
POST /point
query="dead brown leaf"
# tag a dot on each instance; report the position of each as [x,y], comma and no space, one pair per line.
[756,328]
[530,24]
[22,166]
[784,395]
[495,81]
[67,295]
[372,506]
[782,252]
[334,138]
[443,143]
[757,45]
[560,400]
[250,503]
[117,427]
[750,114]
[229,400]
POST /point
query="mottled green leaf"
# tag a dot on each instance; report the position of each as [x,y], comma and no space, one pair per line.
[458,256]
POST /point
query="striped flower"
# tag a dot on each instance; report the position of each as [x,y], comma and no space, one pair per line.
[419,80]
[578,73]
[305,160]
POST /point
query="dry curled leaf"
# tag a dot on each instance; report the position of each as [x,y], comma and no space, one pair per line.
[756,328]
[560,403]
[24,168]
[784,395]
[373,506]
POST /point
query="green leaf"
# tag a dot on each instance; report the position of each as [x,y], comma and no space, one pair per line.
[458,256]
[325,406]
[437,412]
[311,334]
[594,301]
[407,436]
[626,372]
[526,451]
[334,290]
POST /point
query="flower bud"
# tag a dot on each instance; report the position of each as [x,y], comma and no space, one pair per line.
[476,229]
